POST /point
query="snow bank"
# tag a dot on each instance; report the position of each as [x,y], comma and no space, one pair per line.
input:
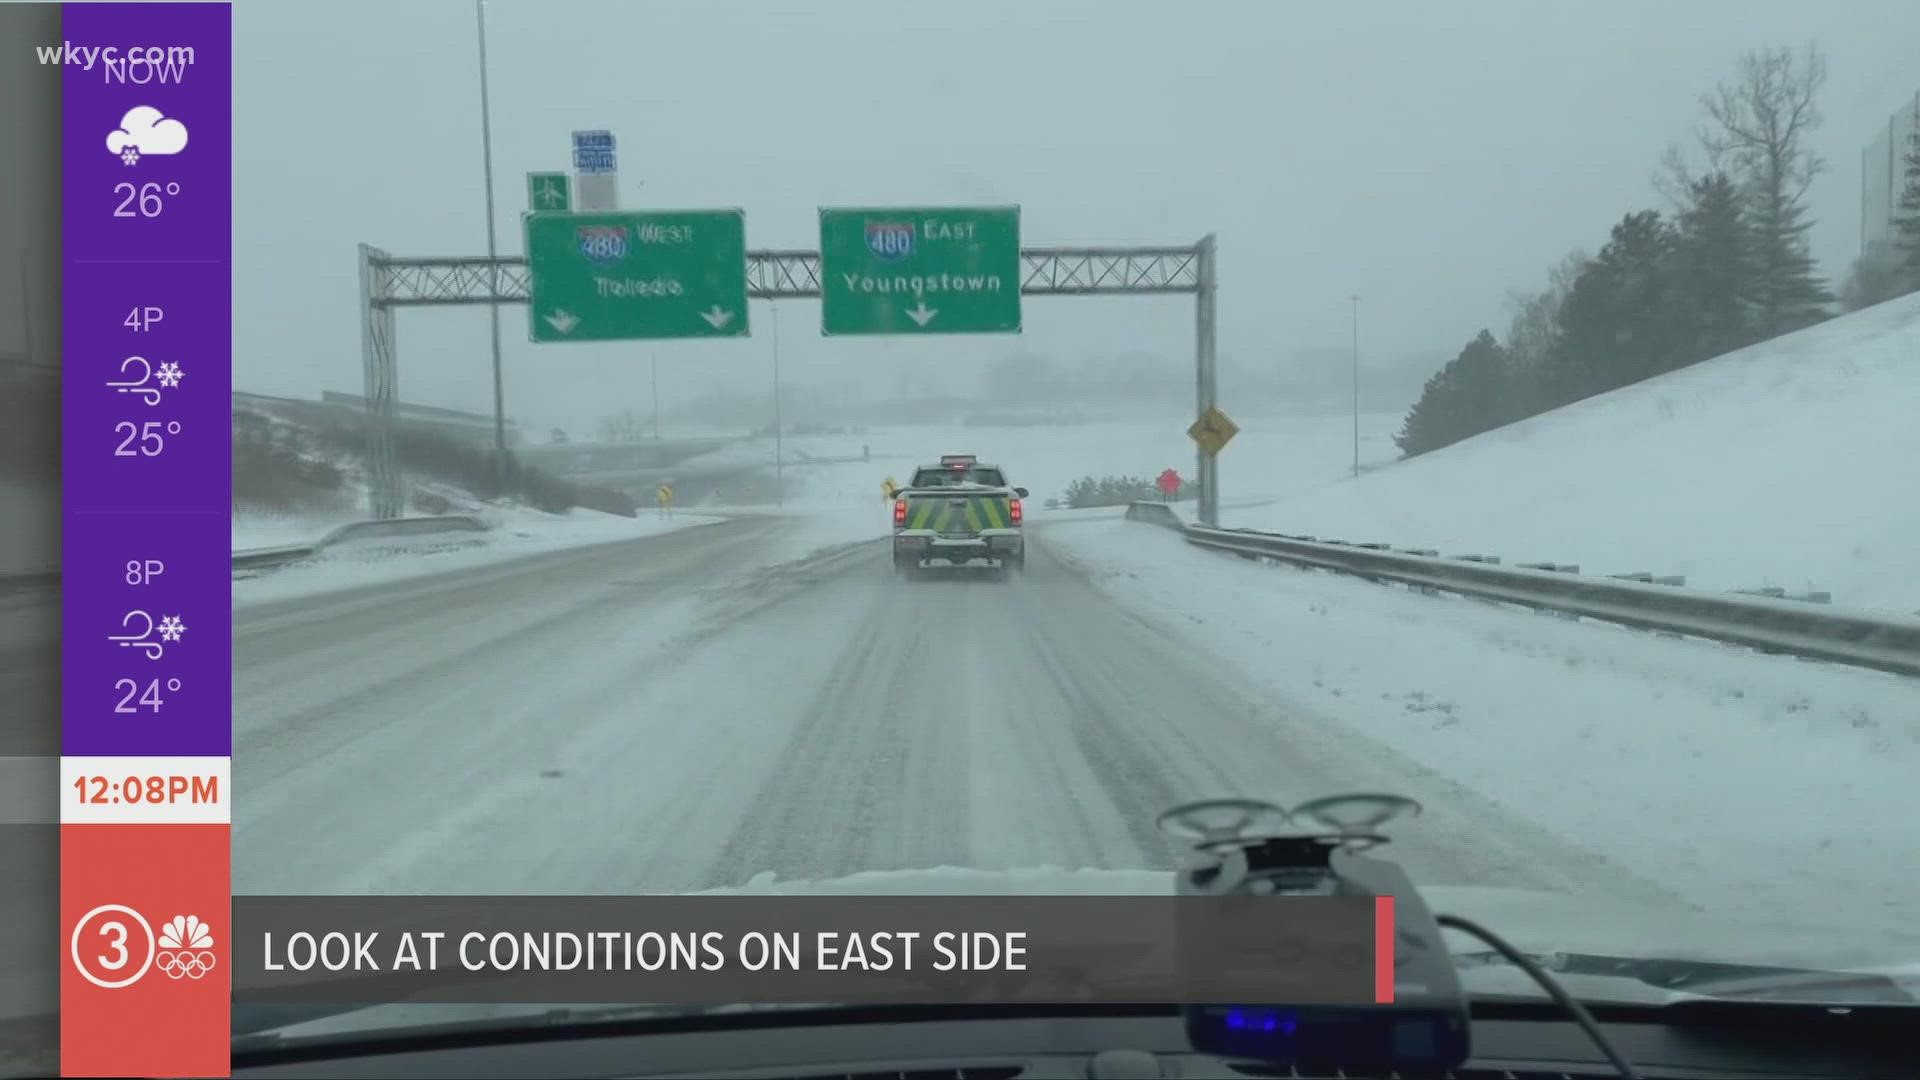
[514,532]
[1792,463]
[1758,787]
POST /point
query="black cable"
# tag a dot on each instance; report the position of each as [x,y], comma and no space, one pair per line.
[1548,983]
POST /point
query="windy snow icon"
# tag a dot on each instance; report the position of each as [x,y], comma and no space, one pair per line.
[145,131]
[186,948]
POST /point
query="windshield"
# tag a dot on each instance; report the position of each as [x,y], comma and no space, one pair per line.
[686,653]
[1484,404]
[954,477]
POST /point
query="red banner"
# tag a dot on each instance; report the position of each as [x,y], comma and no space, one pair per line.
[145,916]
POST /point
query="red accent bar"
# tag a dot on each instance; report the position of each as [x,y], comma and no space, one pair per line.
[147,925]
[1383,950]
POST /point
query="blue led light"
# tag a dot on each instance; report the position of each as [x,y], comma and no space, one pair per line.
[1263,1021]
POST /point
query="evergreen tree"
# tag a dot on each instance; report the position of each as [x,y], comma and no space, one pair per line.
[1424,428]
[1460,401]
[1788,294]
[1759,124]
[1713,271]
[1620,323]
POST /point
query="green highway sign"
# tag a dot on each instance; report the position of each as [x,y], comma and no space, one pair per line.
[626,275]
[920,270]
[548,191]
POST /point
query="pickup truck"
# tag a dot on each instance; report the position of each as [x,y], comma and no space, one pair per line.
[960,513]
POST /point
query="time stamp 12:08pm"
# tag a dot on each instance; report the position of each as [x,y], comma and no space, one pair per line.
[150,789]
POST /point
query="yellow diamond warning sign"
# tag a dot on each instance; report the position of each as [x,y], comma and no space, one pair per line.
[1213,431]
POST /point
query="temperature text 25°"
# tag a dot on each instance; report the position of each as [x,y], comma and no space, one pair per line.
[145,439]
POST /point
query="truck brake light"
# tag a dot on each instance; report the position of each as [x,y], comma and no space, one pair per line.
[1013,507]
[899,512]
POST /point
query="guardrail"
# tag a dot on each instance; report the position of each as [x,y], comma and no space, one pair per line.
[414,526]
[261,558]
[267,558]
[1770,624]
[28,581]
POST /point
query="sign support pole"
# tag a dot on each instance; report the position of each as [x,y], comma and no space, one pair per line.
[1356,385]
[493,284]
[1204,334]
[779,451]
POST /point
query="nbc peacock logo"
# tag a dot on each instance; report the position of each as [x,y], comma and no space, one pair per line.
[186,948]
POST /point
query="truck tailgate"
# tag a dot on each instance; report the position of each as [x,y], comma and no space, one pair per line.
[957,513]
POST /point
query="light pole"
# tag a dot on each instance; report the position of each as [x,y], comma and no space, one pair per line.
[1356,385]
[779,458]
[26,303]
[493,282]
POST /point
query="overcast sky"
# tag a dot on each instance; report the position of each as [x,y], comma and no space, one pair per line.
[1428,157]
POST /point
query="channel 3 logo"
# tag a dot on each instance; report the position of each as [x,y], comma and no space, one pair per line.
[115,946]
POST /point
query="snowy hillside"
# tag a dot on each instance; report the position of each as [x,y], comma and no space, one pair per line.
[1795,463]
[292,486]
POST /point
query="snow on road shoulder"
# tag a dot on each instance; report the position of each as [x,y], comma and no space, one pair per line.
[808,528]
[1759,787]
[512,533]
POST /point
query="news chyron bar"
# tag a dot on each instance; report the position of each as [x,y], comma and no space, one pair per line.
[145,271]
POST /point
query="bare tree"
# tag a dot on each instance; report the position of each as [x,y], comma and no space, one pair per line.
[1675,178]
[1757,128]
[1535,324]
[1758,121]
[624,427]
[1531,337]
[1878,275]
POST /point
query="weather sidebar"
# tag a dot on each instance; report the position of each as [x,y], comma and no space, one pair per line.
[146,640]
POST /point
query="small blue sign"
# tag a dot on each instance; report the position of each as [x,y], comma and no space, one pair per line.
[890,241]
[602,245]
[593,152]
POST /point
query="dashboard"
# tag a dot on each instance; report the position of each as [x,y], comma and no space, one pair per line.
[1742,1041]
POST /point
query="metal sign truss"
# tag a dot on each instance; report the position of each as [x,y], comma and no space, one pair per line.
[389,282]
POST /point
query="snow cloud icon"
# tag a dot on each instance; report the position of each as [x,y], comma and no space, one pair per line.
[144,130]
